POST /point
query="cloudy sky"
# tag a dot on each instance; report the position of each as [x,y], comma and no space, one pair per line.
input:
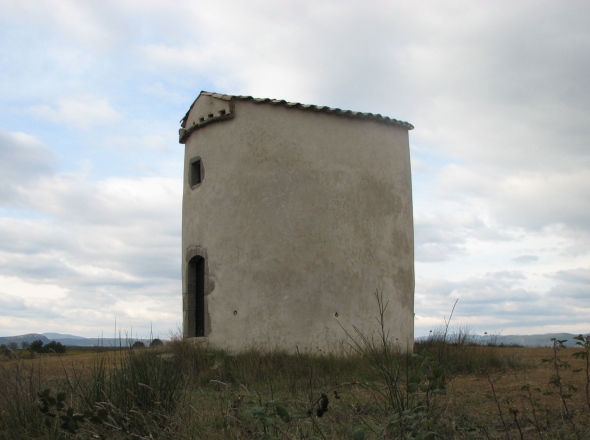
[91,170]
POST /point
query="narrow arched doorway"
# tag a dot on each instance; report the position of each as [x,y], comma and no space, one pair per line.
[196,294]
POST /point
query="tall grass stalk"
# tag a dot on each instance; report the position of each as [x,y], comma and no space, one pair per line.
[19,412]
[384,358]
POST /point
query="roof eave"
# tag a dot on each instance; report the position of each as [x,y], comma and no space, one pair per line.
[184,132]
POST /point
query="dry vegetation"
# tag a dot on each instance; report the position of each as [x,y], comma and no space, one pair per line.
[449,388]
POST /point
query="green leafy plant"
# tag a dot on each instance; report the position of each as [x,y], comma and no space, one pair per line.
[271,415]
[430,380]
[527,388]
[565,390]
[556,379]
[412,423]
[55,411]
[584,343]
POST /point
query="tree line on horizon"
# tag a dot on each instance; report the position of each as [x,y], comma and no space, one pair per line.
[37,346]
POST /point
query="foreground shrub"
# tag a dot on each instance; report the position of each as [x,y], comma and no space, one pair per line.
[19,412]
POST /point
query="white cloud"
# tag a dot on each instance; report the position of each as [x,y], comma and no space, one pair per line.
[105,245]
[529,198]
[20,296]
[147,142]
[116,218]
[78,113]
[572,288]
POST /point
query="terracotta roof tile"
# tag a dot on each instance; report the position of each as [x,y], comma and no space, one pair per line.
[307,107]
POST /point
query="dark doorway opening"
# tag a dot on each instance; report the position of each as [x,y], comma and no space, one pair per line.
[196,292]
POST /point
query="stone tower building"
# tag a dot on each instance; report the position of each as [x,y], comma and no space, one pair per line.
[293,216]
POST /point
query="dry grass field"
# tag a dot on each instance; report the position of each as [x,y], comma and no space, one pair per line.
[472,393]
[182,391]
[58,365]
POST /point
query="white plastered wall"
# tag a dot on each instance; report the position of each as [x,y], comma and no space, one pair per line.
[302,217]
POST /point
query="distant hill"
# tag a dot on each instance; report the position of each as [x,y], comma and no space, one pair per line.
[101,342]
[29,337]
[537,340]
[71,340]
[57,336]
[523,340]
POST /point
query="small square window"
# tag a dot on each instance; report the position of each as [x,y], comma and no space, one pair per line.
[196,172]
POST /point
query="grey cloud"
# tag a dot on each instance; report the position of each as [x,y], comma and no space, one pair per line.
[500,301]
[490,287]
[507,276]
[573,294]
[436,240]
[118,234]
[41,267]
[578,241]
[578,276]
[436,251]
[518,76]
[527,199]
[495,296]
[15,307]
[573,288]
[513,116]
[9,304]
[443,236]
[72,199]
[91,257]
[524,259]
[31,237]
[25,160]
[539,201]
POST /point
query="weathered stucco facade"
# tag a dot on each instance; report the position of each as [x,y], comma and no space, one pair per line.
[293,216]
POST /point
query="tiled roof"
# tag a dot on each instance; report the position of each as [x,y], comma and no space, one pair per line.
[308,107]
